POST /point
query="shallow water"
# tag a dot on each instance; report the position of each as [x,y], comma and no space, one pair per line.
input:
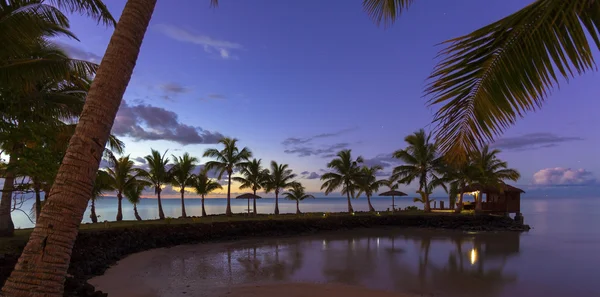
[558,258]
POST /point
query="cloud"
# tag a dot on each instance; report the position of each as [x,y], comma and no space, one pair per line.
[75,52]
[532,141]
[140,160]
[173,89]
[298,141]
[326,151]
[383,160]
[310,175]
[563,177]
[213,96]
[222,47]
[146,122]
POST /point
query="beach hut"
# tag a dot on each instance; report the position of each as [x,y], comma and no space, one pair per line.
[502,199]
[393,194]
[248,196]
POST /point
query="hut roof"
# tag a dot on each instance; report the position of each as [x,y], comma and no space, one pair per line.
[392,193]
[491,189]
[248,196]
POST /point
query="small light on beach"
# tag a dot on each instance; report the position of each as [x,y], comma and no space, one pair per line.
[473,256]
[353,213]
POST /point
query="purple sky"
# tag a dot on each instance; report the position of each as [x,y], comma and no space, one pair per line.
[296,81]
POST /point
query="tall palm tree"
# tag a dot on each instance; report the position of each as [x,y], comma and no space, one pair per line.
[204,186]
[122,176]
[254,177]
[296,193]
[460,175]
[134,193]
[158,175]
[491,171]
[280,178]
[421,163]
[102,184]
[368,183]
[345,174]
[494,75]
[182,175]
[229,159]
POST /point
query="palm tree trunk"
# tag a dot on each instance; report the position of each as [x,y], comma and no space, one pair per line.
[135,212]
[93,215]
[7,228]
[393,204]
[427,207]
[298,207]
[478,199]
[276,202]
[254,201]
[350,210]
[183,214]
[161,213]
[228,209]
[248,206]
[459,207]
[38,202]
[203,210]
[119,208]
[45,258]
[371,208]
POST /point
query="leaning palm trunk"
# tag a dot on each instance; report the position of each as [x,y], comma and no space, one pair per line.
[350,210]
[298,207]
[120,207]
[93,215]
[38,202]
[478,206]
[277,202]
[459,207]
[371,208]
[135,212]
[183,214]
[7,228]
[228,209]
[254,202]
[161,214]
[42,267]
[203,210]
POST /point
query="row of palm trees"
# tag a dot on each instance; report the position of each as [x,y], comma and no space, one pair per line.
[125,180]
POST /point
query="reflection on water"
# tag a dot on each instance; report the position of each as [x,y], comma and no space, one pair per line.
[416,261]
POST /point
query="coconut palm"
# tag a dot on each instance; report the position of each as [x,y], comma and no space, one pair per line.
[204,186]
[296,193]
[102,184]
[158,175]
[254,177]
[494,75]
[182,175]
[280,178]
[491,171]
[345,175]
[122,176]
[369,184]
[460,175]
[229,159]
[421,162]
[134,193]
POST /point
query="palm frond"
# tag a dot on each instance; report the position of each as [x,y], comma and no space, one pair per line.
[494,75]
[386,11]
[91,8]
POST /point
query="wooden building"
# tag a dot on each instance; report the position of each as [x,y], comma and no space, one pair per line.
[503,199]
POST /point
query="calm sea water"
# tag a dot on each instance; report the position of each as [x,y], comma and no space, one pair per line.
[558,257]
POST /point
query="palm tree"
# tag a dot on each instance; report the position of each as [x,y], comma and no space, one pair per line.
[279,178]
[491,171]
[422,163]
[204,186]
[134,193]
[346,174]
[122,176]
[102,184]
[296,193]
[460,175]
[368,183]
[253,177]
[227,160]
[182,175]
[494,75]
[158,175]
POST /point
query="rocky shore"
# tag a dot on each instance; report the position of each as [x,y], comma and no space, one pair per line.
[97,250]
